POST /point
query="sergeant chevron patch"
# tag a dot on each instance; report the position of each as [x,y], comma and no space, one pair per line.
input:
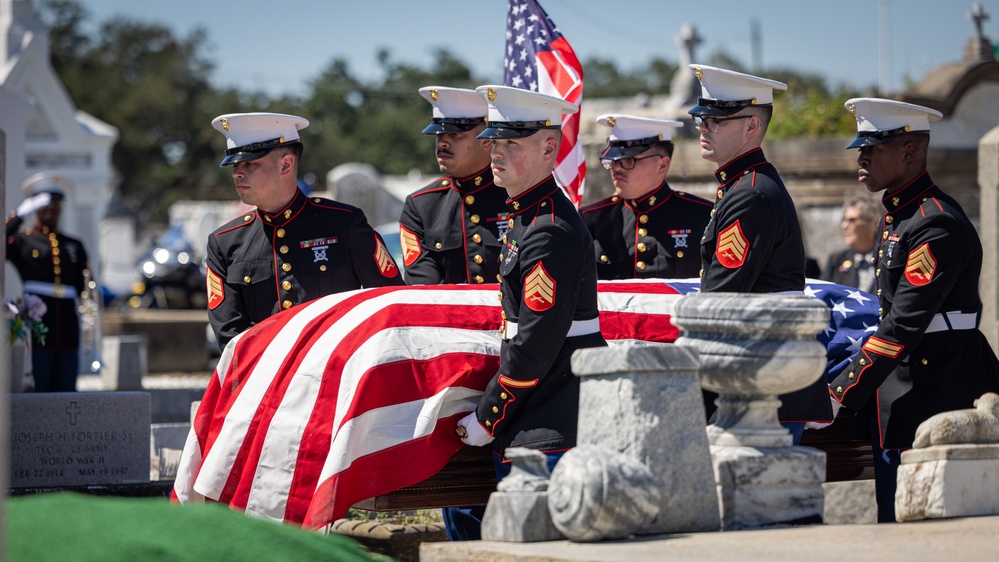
[732,246]
[410,245]
[216,290]
[921,265]
[386,265]
[539,289]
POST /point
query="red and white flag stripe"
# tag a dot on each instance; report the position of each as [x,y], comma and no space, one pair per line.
[357,394]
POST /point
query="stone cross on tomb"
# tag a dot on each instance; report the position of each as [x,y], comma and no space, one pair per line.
[978,17]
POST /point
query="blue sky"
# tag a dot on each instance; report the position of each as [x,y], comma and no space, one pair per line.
[277,47]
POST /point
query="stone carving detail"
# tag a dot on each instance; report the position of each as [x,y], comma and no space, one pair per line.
[597,493]
[528,471]
[973,425]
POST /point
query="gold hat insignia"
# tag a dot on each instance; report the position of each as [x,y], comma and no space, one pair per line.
[611,121]
[851,108]
[698,73]
[907,128]
[433,94]
[490,94]
[225,124]
[548,122]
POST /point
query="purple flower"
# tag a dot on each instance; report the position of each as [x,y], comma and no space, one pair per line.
[36,307]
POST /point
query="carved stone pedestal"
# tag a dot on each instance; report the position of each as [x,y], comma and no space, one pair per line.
[753,348]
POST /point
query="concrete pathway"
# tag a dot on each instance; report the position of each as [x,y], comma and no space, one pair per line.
[970,539]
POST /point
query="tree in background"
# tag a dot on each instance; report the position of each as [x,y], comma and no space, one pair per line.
[155,87]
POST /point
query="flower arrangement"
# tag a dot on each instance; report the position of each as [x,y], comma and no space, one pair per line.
[25,314]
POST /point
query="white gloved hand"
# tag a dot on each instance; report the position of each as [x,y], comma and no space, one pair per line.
[33,203]
[471,431]
[835,406]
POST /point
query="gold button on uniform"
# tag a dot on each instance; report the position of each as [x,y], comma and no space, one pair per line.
[286,285]
[879,292]
[604,258]
[643,219]
[889,219]
[863,362]
[476,238]
[721,194]
[503,396]
[322,268]
[700,273]
[283,249]
[286,267]
[641,246]
[286,305]
[477,259]
[884,235]
[495,410]
[881,253]
[888,263]
[850,375]
[479,279]
[55,251]
[923,361]
[839,390]
[246,279]
[501,257]
[474,218]
[55,261]
[445,183]
[438,245]
[280,233]
[57,270]
[679,254]
[877,272]
[509,224]
[499,278]
[643,232]
[881,312]
[34,253]
[640,265]
[516,205]
[469,199]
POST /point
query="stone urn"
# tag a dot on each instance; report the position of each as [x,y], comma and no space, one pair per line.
[752,347]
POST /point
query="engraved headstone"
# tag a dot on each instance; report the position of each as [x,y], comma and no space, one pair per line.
[79,439]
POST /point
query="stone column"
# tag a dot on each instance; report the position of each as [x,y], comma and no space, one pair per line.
[751,349]
[5,374]
[645,402]
[988,183]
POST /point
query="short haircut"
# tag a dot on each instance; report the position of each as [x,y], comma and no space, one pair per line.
[765,113]
[295,149]
[869,208]
[667,147]
[920,140]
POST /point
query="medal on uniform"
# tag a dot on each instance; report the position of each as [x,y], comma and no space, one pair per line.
[679,237]
[502,226]
[318,247]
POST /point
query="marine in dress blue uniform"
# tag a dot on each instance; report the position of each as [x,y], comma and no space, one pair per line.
[752,243]
[927,355]
[52,266]
[292,248]
[548,289]
[645,230]
[451,230]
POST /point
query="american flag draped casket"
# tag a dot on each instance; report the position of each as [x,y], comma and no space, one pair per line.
[357,394]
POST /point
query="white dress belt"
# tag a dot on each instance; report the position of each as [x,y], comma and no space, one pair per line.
[59,291]
[578,328]
[953,320]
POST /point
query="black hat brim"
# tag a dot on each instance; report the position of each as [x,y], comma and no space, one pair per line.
[861,142]
[713,111]
[612,152]
[505,133]
[245,156]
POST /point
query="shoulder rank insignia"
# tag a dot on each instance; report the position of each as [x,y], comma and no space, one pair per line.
[732,246]
[539,289]
[921,265]
[410,245]
[216,290]
[883,347]
[386,265]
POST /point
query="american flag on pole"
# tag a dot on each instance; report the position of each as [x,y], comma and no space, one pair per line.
[357,394]
[538,58]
